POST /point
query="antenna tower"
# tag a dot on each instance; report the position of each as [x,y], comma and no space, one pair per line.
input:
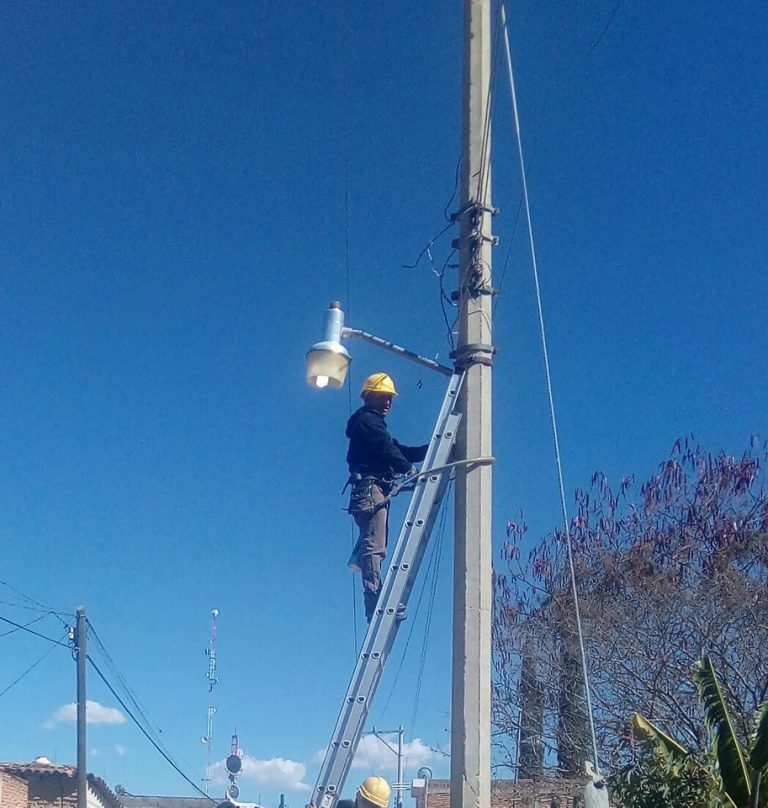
[213,679]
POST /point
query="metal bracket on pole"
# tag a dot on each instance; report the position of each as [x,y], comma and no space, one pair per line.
[403,567]
[474,207]
[397,349]
[474,354]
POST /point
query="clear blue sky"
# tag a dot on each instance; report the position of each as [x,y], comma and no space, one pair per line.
[172,226]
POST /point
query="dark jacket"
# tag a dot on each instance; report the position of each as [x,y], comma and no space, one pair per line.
[373,451]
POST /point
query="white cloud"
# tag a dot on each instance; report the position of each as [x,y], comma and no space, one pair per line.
[375,756]
[95,713]
[276,772]
[121,750]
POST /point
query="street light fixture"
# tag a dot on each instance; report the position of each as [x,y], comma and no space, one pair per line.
[328,360]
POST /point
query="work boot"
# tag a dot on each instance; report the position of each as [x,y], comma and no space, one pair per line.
[370,599]
[401,614]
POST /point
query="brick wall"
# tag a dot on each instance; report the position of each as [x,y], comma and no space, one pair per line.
[46,785]
[13,791]
[508,794]
[47,791]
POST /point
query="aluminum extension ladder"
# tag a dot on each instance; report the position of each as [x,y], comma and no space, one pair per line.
[403,567]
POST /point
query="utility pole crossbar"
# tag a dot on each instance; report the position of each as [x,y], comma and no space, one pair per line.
[396,589]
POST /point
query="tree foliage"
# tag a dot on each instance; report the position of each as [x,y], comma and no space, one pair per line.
[665,571]
[661,771]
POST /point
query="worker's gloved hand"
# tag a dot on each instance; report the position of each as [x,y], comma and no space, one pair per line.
[412,472]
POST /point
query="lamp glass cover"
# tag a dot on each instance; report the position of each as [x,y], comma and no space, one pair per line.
[327,368]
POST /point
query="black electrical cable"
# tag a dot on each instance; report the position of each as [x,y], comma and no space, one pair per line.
[426,577]
[430,612]
[14,630]
[145,733]
[116,672]
[30,631]
[47,609]
[28,670]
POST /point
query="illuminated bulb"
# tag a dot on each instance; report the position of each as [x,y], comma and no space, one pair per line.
[321,381]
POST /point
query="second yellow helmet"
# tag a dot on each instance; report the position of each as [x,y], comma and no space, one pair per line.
[375,790]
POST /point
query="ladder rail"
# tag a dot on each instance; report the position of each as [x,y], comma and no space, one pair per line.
[427,496]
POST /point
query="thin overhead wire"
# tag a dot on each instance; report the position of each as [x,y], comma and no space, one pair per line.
[456,180]
[44,607]
[31,622]
[93,634]
[428,246]
[484,172]
[164,754]
[428,576]
[606,27]
[31,631]
[545,95]
[347,261]
[30,668]
[553,418]
[430,612]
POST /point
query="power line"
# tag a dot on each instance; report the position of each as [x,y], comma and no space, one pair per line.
[151,726]
[29,598]
[14,630]
[430,612]
[116,672]
[550,394]
[28,670]
[144,732]
[31,631]
[427,578]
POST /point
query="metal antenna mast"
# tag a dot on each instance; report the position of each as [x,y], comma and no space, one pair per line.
[212,678]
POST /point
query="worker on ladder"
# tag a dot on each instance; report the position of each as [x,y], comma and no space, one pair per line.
[374,458]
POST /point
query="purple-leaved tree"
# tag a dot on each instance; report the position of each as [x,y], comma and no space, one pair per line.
[665,572]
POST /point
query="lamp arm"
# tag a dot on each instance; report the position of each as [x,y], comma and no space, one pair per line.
[397,349]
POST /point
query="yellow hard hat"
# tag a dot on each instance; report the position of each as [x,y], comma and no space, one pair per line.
[374,789]
[378,383]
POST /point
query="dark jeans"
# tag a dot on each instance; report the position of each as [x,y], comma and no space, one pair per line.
[370,508]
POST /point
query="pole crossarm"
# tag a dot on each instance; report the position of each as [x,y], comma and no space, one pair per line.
[396,349]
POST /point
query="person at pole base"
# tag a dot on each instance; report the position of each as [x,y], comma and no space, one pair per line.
[373,792]
[374,459]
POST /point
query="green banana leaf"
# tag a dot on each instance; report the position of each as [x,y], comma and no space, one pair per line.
[644,728]
[758,756]
[726,749]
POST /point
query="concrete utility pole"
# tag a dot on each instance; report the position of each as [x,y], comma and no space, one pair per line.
[82,770]
[471,690]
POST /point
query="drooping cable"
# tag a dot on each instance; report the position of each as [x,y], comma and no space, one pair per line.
[32,631]
[553,418]
[144,731]
[36,603]
[93,634]
[484,171]
[428,576]
[430,611]
[445,300]
[30,668]
[31,622]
